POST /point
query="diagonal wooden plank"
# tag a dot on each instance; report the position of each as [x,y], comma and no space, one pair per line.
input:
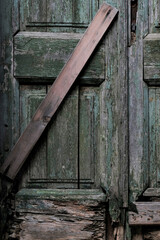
[58,91]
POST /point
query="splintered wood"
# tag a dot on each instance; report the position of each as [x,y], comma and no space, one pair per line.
[69,216]
[58,91]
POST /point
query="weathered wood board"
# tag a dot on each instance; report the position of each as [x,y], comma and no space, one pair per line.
[59,89]
[59,214]
[148,214]
[138,107]
[154,14]
[43,55]
[152,58]
[76,128]
[57,16]
[154,136]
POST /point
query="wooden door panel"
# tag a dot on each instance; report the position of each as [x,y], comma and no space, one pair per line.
[88,135]
[152,58]
[59,11]
[154,12]
[55,157]
[30,98]
[67,155]
[57,15]
[43,55]
[152,77]
[37,11]
[154,136]
[70,143]
[62,143]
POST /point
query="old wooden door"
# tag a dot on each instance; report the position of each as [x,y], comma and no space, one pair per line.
[67,156]
[86,144]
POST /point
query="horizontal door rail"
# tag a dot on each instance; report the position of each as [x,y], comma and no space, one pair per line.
[58,91]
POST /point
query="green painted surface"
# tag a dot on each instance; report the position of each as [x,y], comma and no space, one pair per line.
[62,143]
[67,154]
[154,136]
[89,137]
[155,16]
[57,15]
[44,55]
[152,58]
[30,98]
[138,108]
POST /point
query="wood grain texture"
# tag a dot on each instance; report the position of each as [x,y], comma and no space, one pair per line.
[59,214]
[154,143]
[57,16]
[148,214]
[58,90]
[71,142]
[89,137]
[30,98]
[154,14]
[138,108]
[43,55]
[62,143]
[152,58]
[113,115]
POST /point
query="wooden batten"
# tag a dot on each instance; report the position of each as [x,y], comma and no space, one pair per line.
[58,91]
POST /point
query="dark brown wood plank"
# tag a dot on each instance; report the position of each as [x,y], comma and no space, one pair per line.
[58,91]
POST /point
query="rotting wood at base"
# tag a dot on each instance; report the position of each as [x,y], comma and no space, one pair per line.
[61,219]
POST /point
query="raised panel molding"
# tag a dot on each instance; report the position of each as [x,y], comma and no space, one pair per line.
[152,59]
[75,127]
[154,12]
[43,55]
[54,14]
